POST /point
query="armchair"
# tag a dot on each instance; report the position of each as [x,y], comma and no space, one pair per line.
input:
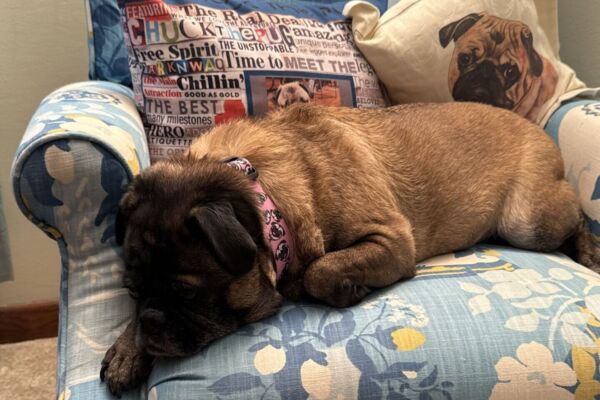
[489,321]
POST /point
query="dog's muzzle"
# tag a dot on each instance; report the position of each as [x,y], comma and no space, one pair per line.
[482,85]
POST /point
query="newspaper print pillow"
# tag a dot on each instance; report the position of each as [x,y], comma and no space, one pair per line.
[200,63]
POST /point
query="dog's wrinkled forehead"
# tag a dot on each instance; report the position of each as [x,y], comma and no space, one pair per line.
[190,214]
[483,30]
[148,210]
[161,182]
[154,206]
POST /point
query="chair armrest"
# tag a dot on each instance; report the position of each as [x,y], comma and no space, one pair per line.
[82,147]
[96,115]
[575,127]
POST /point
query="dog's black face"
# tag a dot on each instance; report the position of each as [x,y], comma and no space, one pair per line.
[485,82]
[193,249]
[494,60]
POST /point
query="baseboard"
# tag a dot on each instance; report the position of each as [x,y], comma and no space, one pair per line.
[28,322]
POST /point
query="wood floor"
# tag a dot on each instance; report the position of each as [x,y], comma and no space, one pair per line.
[27,322]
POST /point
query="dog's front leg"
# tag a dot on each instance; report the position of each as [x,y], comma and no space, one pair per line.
[381,256]
[125,365]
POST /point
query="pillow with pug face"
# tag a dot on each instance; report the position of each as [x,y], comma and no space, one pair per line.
[493,52]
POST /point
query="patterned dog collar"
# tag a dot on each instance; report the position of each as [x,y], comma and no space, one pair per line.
[275,229]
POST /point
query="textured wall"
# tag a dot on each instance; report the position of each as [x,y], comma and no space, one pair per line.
[579,30]
[43,46]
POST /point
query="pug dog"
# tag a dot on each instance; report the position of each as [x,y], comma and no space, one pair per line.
[495,62]
[291,92]
[314,86]
[360,195]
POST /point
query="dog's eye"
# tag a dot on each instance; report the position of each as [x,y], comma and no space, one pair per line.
[464,59]
[511,74]
[184,289]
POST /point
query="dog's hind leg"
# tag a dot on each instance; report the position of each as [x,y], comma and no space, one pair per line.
[545,216]
[542,212]
[539,215]
[382,255]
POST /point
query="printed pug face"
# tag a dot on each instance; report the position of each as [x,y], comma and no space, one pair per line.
[494,62]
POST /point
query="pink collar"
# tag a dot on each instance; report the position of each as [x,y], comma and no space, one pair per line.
[275,228]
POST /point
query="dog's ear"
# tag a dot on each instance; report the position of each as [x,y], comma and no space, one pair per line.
[230,241]
[303,86]
[536,65]
[456,29]
[127,204]
[276,95]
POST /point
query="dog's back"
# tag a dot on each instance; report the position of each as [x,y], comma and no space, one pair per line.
[447,167]
[365,194]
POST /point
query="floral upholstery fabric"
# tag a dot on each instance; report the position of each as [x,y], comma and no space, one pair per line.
[488,322]
[575,127]
[83,145]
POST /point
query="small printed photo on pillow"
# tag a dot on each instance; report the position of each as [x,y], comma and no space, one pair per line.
[283,92]
[269,91]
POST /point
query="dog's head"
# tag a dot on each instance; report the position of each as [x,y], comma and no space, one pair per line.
[290,93]
[196,261]
[494,60]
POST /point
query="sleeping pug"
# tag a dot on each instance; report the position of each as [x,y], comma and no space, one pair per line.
[325,202]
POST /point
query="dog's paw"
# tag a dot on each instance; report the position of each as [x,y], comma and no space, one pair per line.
[124,368]
[334,291]
[348,294]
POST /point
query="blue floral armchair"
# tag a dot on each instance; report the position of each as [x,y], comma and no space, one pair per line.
[488,322]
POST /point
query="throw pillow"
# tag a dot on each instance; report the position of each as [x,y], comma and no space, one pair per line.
[198,63]
[107,51]
[493,52]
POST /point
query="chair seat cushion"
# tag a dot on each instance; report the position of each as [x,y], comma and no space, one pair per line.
[489,322]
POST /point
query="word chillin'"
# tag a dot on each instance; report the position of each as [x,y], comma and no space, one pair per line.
[208,82]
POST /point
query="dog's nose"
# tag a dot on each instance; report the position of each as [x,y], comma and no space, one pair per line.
[152,321]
